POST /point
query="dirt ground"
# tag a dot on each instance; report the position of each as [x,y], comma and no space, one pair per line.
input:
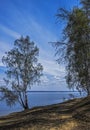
[64,116]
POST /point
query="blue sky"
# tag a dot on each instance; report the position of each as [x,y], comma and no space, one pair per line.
[35,18]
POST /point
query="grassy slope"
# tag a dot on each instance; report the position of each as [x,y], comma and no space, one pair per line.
[70,115]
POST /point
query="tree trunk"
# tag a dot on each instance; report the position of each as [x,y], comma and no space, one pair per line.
[26,102]
[88,92]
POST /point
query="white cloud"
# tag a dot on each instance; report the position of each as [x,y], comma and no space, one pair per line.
[41,35]
[4,47]
[50,67]
[44,34]
[44,79]
[2,82]
[54,76]
[9,31]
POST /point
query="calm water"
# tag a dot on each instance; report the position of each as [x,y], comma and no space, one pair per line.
[38,99]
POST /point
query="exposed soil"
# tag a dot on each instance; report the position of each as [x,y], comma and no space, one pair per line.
[71,115]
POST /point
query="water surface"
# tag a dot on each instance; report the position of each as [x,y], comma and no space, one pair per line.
[39,99]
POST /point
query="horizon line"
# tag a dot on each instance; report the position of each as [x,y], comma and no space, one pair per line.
[47,91]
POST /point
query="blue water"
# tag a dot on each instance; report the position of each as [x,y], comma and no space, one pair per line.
[38,99]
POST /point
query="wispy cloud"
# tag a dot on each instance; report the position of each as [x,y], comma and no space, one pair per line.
[54,76]
[4,47]
[27,24]
[9,31]
[50,67]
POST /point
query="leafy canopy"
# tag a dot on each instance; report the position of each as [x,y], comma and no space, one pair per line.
[23,71]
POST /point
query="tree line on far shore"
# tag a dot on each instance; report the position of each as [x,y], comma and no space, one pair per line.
[23,69]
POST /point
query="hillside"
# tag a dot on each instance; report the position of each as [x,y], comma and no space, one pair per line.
[71,115]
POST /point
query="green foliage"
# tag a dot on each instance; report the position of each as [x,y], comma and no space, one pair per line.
[23,70]
[76,39]
[8,95]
